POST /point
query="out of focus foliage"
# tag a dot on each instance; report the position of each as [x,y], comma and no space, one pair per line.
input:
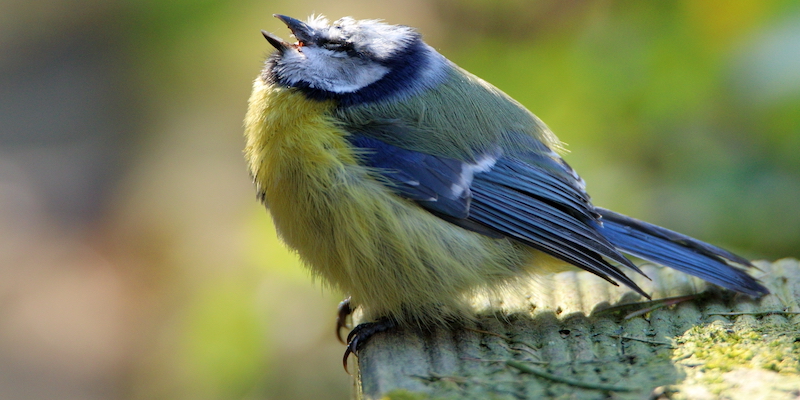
[138,263]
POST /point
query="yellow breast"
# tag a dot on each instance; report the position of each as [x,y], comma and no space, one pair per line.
[285,132]
[391,255]
[298,157]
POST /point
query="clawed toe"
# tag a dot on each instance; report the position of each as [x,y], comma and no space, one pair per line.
[344,310]
[361,333]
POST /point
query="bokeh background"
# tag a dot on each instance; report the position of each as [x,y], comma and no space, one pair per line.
[135,262]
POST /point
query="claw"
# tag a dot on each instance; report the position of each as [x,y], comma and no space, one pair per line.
[343,311]
[359,335]
[347,353]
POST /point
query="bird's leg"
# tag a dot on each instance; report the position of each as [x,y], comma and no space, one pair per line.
[342,312]
[361,333]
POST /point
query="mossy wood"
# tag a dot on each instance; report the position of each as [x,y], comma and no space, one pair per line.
[596,341]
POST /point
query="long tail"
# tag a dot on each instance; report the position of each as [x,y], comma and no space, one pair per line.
[683,253]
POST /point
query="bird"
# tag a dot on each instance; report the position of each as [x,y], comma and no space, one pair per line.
[410,184]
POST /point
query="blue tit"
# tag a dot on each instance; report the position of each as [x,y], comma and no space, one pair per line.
[410,184]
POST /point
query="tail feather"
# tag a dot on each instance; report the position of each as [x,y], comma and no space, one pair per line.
[683,253]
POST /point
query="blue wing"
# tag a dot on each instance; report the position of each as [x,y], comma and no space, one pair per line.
[417,176]
[532,196]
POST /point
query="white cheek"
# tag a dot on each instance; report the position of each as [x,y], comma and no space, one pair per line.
[331,71]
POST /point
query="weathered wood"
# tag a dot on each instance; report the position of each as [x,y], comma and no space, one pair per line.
[581,338]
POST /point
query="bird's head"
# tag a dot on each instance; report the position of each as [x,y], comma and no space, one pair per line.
[331,60]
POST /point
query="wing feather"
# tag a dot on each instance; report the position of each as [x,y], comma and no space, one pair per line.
[533,198]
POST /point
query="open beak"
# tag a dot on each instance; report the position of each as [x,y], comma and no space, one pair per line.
[275,41]
[300,30]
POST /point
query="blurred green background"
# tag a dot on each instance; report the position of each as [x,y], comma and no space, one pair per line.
[135,261]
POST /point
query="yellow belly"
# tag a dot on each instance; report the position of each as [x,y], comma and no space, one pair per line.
[393,257]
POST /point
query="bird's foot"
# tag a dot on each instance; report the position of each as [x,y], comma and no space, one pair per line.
[361,333]
[343,311]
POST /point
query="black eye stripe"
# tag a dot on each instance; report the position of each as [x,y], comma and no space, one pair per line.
[337,45]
